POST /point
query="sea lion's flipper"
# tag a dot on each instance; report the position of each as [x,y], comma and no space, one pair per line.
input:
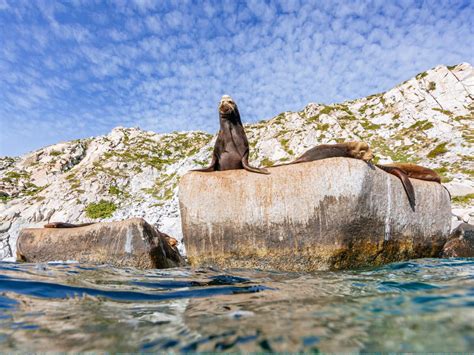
[245,163]
[211,167]
[206,170]
[256,170]
[407,185]
[449,193]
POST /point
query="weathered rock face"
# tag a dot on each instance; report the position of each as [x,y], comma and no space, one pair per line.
[331,214]
[131,242]
[460,243]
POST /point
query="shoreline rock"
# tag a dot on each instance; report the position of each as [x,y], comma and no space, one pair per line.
[332,214]
[128,243]
[460,243]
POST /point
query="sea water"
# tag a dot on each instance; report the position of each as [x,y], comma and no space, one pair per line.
[424,305]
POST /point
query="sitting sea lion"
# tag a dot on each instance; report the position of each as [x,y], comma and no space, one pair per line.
[231,150]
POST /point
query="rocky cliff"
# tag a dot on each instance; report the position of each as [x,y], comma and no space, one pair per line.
[428,120]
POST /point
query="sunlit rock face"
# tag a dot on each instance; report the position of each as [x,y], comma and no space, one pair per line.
[335,213]
[129,243]
[425,120]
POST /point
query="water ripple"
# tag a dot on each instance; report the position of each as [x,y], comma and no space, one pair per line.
[422,305]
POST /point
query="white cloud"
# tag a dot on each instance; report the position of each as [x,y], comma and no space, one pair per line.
[164,66]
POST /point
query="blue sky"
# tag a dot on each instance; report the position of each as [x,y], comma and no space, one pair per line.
[79,68]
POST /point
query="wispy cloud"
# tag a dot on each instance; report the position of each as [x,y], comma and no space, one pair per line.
[77,69]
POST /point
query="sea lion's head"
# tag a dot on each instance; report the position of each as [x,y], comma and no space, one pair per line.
[227,105]
[360,150]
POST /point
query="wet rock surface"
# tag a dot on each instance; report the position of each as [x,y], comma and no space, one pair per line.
[460,243]
[132,242]
[336,213]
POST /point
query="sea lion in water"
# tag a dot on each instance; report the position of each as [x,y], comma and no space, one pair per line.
[231,150]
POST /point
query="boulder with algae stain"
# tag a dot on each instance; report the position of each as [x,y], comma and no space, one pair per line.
[335,213]
[132,242]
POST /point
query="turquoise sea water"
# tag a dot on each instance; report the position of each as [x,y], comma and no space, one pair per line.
[422,305]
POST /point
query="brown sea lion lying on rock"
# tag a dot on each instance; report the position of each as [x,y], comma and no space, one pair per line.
[65,225]
[356,150]
[231,150]
[413,171]
[404,171]
[171,241]
[361,150]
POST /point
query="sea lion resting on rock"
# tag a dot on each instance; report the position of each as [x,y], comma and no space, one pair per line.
[65,225]
[231,150]
[413,171]
[356,150]
[361,150]
[171,241]
[404,171]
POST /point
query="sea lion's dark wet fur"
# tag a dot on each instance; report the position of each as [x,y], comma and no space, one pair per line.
[65,225]
[231,150]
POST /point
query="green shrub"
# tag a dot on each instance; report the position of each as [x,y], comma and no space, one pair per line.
[446,112]
[55,153]
[267,162]
[4,198]
[114,190]
[15,175]
[421,75]
[463,199]
[324,127]
[369,126]
[438,150]
[422,125]
[432,86]
[326,110]
[101,209]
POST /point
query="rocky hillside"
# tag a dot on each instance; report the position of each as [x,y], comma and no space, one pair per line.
[428,120]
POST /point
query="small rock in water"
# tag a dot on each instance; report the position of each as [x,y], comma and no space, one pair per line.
[461,242]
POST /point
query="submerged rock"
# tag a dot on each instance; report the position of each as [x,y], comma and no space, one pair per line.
[460,243]
[336,213]
[132,242]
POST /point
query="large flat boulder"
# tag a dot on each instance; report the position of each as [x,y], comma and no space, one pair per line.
[331,214]
[132,242]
